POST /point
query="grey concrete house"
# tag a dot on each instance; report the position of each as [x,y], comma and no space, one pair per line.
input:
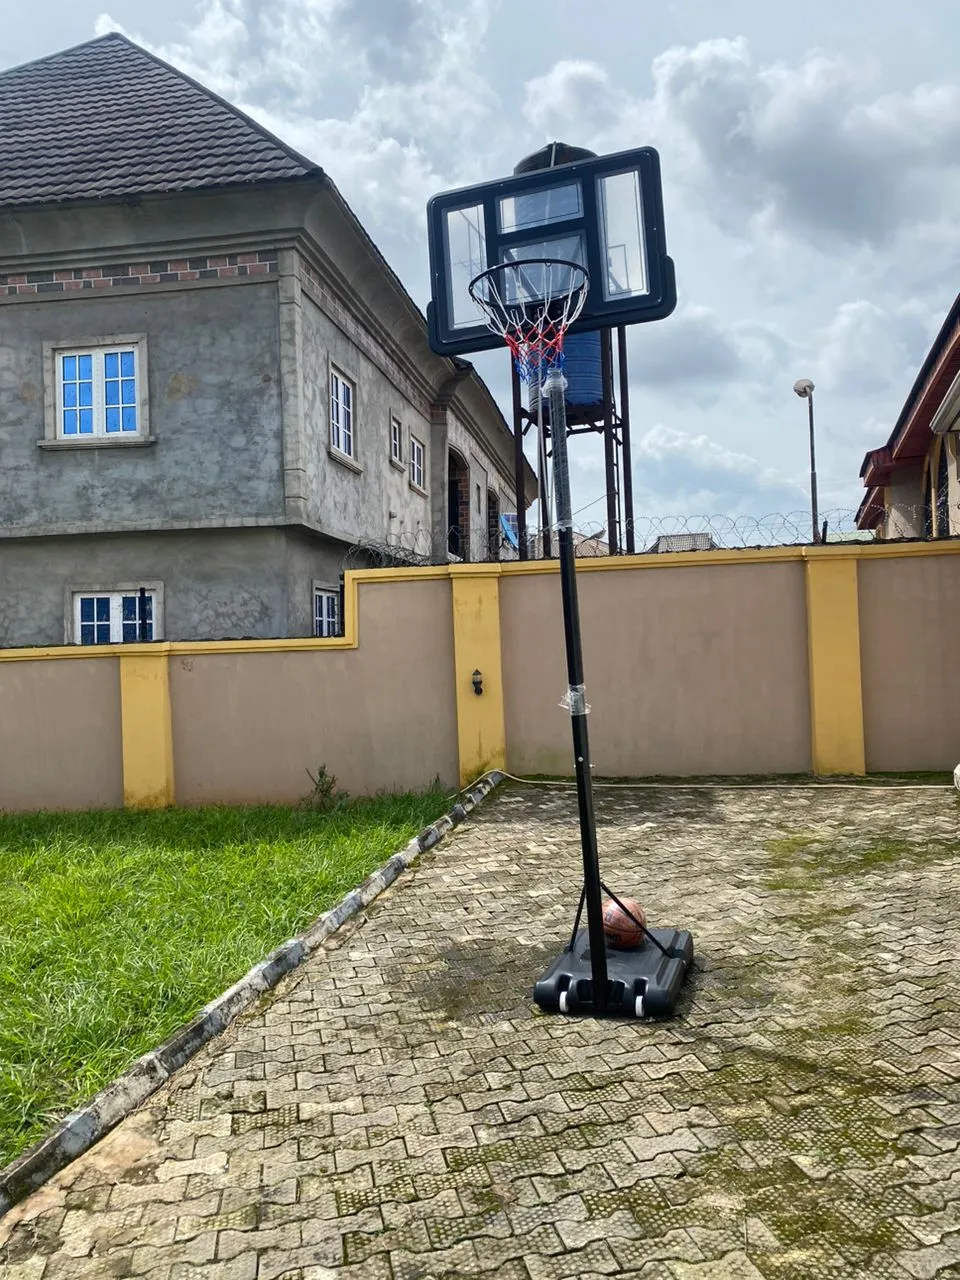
[212,385]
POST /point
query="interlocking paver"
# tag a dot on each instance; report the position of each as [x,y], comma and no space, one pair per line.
[400,1109]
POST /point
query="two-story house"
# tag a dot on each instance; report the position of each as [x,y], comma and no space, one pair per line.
[212,385]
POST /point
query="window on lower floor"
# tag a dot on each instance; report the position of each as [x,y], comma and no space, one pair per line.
[114,617]
[416,462]
[396,440]
[326,611]
[98,392]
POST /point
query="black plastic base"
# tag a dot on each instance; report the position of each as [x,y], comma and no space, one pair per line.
[642,981]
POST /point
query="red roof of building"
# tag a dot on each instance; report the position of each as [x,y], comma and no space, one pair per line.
[910,439]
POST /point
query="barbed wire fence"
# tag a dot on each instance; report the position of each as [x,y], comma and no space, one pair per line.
[394,552]
[652,534]
[678,533]
[669,534]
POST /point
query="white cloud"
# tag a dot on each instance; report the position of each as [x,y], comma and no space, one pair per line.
[573,92]
[687,473]
[810,147]
[867,348]
[662,443]
[698,354]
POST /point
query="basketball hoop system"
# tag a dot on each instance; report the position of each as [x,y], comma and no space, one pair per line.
[531,303]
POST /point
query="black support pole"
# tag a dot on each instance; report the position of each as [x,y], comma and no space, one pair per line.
[518,469]
[813,470]
[555,386]
[543,471]
[609,443]
[627,466]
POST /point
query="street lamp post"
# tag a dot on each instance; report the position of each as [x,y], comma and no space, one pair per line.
[804,389]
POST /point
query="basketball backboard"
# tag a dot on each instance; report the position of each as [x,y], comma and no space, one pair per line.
[605,213]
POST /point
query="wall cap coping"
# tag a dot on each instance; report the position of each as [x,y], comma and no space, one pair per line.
[745,555]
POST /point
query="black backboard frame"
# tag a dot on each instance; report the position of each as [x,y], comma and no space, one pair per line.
[599,312]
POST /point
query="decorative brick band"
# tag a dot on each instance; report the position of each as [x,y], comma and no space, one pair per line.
[123,275]
[82,1128]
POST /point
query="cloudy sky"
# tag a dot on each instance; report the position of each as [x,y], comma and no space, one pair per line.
[811,160]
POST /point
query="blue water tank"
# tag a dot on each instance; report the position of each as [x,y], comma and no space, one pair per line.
[583,368]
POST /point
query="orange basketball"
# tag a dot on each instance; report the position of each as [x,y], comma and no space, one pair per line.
[618,929]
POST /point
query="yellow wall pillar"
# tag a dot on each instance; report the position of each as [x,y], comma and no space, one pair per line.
[147,729]
[481,731]
[833,645]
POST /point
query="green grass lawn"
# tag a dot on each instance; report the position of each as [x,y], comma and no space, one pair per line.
[116,928]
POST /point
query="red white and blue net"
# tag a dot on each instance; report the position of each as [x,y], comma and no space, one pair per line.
[531,303]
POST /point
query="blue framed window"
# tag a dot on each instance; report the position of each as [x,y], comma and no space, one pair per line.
[94,612]
[76,387]
[342,397]
[98,393]
[326,612]
[114,617]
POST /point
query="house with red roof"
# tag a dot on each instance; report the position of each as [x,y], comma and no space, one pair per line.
[913,481]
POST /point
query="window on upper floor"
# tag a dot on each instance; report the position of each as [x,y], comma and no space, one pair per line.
[99,392]
[115,617]
[416,464]
[342,404]
[396,441]
[326,611]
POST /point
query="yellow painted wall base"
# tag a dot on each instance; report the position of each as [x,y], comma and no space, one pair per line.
[481,731]
[833,645]
[147,730]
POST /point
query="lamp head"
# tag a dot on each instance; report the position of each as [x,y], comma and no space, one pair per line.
[804,388]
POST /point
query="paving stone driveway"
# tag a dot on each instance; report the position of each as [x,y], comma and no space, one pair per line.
[400,1110]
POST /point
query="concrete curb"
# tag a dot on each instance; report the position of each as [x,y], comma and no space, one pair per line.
[82,1128]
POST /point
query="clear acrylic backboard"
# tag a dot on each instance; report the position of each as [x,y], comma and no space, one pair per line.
[605,213]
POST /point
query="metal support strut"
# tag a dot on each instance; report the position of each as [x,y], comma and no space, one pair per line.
[518,462]
[554,387]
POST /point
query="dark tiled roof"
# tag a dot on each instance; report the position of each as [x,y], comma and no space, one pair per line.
[107,118]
